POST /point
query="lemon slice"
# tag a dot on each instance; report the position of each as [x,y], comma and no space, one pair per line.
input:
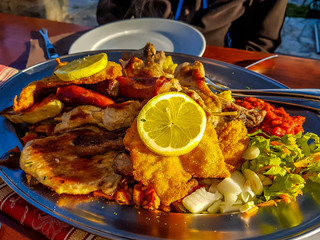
[171,124]
[83,67]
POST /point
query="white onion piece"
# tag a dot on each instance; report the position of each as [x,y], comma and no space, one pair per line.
[251,152]
[255,182]
[199,200]
[232,184]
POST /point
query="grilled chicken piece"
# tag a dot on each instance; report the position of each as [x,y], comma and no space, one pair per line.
[78,116]
[146,62]
[115,116]
[192,77]
[250,117]
[76,162]
[146,87]
[120,115]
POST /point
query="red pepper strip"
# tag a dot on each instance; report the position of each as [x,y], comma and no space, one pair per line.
[76,95]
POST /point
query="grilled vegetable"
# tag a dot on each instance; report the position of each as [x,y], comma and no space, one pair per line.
[76,95]
[47,108]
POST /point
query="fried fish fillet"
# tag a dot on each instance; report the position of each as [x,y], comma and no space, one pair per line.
[171,177]
[76,162]
[207,159]
[165,174]
[35,90]
[233,141]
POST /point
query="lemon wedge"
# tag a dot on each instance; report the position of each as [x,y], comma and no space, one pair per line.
[171,124]
[83,67]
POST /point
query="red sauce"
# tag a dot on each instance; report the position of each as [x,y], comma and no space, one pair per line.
[277,121]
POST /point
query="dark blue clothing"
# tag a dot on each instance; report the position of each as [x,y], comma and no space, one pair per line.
[244,24]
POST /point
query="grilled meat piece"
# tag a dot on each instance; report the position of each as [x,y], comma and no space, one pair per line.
[109,87]
[79,116]
[76,162]
[122,164]
[89,143]
[250,117]
[115,116]
[146,62]
[11,158]
[120,115]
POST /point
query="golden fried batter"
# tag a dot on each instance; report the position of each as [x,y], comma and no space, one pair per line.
[35,90]
[165,174]
[206,160]
[233,141]
[171,176]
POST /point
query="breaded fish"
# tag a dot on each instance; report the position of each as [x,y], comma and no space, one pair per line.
[233,141]
[37,89]
[77,162]
[206,160]
[165,174]
[171,177]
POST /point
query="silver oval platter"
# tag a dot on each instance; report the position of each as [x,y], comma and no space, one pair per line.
[107,219]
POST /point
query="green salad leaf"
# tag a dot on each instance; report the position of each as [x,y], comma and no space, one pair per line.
[287,160]
[289,184]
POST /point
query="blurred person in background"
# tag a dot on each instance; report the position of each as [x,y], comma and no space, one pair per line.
[244,24]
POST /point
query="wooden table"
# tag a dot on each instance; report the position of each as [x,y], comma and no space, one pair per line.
[292,71]
[15,33]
